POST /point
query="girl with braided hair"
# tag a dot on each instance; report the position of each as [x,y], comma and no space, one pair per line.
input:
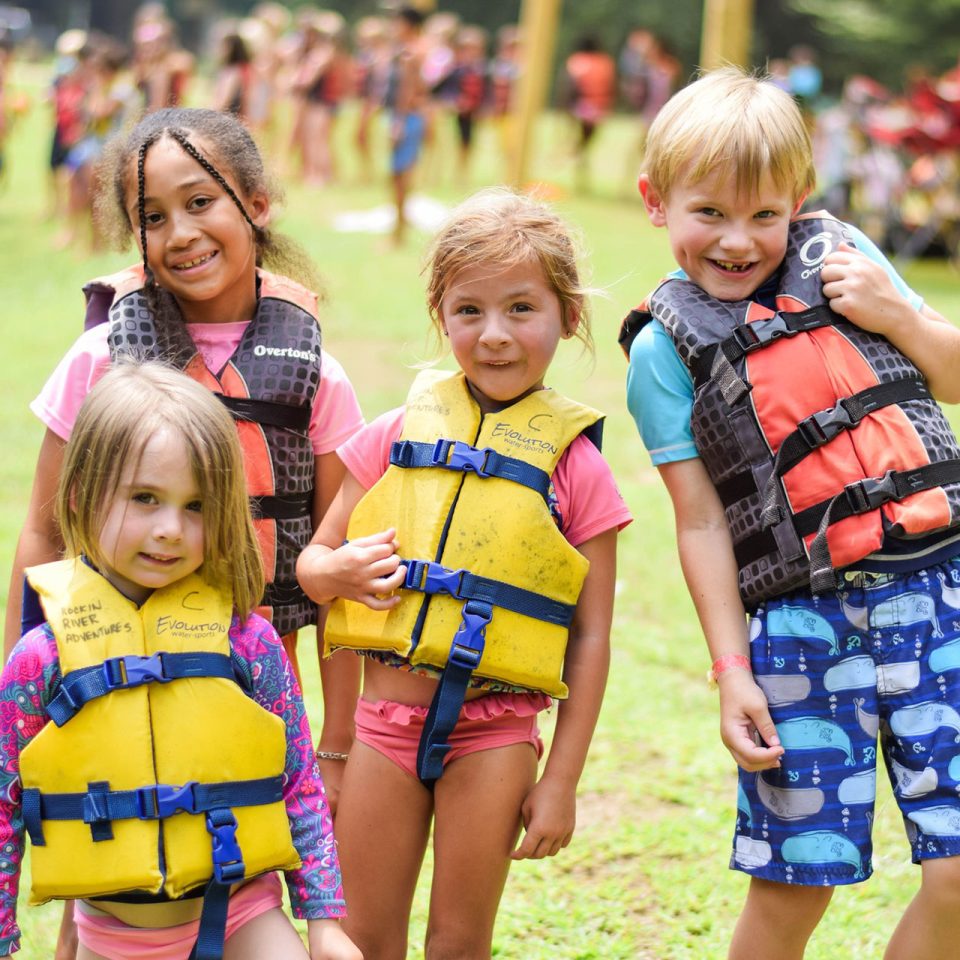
[218,294]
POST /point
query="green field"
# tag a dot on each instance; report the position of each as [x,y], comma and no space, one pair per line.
[645,876]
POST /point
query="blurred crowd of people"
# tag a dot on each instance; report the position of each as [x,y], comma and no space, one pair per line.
[638,82]
[289,75]
[889,161]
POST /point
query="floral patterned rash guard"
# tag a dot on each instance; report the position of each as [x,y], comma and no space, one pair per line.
[31,679]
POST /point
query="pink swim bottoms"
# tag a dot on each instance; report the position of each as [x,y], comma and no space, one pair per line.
[496,720]
[116,940]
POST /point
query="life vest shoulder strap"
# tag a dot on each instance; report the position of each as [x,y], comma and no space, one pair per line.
[276,286]
[102,292]
[639,317]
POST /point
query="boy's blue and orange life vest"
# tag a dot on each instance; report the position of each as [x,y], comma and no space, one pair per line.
[491,583]
[158,774]
[269,386]
[819,436]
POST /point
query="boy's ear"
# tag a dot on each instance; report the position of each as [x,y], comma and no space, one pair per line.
[800,203]
[652,201]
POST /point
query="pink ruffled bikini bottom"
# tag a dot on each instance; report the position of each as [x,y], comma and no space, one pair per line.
[115,940]
[496,720]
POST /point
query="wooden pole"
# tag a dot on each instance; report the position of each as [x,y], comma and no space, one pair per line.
[727,33]
[538,31]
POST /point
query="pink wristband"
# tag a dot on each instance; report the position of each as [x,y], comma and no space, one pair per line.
[728,661]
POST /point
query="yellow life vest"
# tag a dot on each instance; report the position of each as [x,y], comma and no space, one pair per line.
[148,787]
[472,530]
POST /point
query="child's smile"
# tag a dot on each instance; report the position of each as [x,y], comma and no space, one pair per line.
[152,532]
[199,246]
[727,241]
[504,325]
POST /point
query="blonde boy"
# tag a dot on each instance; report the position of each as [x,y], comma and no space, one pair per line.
[815,486]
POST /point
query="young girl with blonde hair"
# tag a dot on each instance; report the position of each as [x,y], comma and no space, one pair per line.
[471,551]
[164,820]
[219,293]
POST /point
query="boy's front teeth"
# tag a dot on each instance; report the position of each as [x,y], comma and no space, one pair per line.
[735,267]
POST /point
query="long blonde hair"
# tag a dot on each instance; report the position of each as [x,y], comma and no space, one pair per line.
[130,404]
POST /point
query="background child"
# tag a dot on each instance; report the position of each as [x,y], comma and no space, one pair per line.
[405,100]
[190,185]
[504,288]
[152,506]
[813,480]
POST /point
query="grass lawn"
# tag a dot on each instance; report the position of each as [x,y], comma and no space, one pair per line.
[645,876]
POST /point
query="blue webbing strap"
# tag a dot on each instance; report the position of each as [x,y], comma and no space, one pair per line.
[121,673]
[31,612]
[465,653]
[481,595]
[98,805]
[427,576]
[228,868]
[457,455]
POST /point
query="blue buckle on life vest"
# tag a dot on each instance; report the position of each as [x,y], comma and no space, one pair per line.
[457,455]
[466,651]
[163,800]
[468,642]
[430,577]
[228,866]
[95,809]
[134,671]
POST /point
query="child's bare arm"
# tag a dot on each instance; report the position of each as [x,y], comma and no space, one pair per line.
[40,540]
[549,810]
[340,674]
[861,290]
[709,567]
[366,569]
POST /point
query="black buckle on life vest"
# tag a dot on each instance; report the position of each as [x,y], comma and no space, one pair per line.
[871,492]
[821,427]
[746,337]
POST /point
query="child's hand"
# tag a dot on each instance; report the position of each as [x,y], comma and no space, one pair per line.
[367,570]
[862,291]
[331,772]
[743,714]
[549,816]
[328,941]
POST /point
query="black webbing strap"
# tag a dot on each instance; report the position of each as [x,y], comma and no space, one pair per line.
[737,487]
[281,593]
[856,498]
[632,324]
[270,413]
[820,428]
[717,363]
[288,507]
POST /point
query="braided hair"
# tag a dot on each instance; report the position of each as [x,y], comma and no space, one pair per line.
[216,141]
